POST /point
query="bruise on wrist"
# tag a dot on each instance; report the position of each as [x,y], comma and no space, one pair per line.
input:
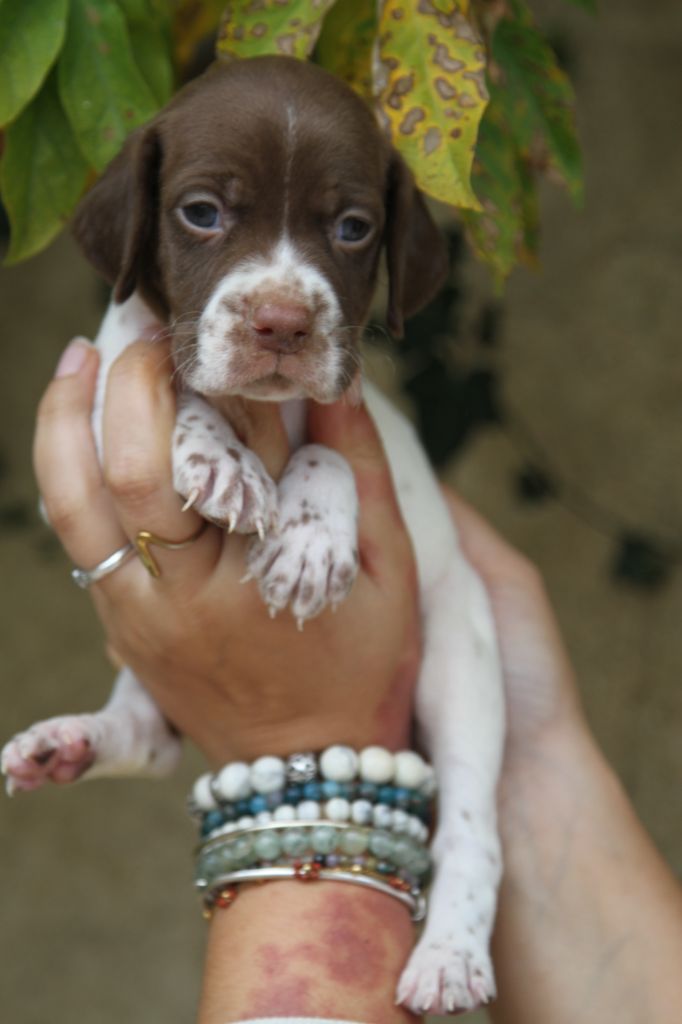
[318,950]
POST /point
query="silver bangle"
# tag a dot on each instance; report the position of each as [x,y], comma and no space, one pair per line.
[415,902]
[84,577]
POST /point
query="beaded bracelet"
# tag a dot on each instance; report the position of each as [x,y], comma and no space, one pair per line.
[374,766]
[226,887]
[338,809]
[331,845]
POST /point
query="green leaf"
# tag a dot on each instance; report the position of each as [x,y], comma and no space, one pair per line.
[432,92]
[346,43]
[102,90]
[42,173]
[149,28]
[539,102]
[505,230]
[587,5]
[152,54]
[250,28]
[31,36]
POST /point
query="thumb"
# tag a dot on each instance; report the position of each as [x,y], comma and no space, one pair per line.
[351,432]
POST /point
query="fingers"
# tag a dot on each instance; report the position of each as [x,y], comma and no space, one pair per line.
[76,501]
[384,542]
[139,416]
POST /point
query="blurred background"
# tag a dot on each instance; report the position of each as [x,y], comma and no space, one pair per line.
[555,408]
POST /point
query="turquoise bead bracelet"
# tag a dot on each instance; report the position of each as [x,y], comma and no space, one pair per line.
[331,845]
[398,798]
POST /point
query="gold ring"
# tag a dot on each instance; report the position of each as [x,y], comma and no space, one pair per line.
[145,538]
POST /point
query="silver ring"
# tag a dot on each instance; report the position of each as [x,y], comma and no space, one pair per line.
[84,577]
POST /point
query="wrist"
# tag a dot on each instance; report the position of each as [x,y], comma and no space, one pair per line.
[309,950]
[560,780]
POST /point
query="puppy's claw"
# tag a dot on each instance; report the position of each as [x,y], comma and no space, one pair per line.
[260,529]
[193,496]
[247,577]
[232,522]
[299,623]
[272,611]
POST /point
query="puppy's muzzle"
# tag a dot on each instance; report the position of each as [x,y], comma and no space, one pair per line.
[281,327]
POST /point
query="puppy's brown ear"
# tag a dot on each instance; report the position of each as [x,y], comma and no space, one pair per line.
[416,254]
[116,224]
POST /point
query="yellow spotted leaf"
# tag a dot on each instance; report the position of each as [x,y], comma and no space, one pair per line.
[505,231]
[250,28]
[346,44]
[432,92]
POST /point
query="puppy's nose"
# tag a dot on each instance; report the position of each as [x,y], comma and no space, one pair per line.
[281,326]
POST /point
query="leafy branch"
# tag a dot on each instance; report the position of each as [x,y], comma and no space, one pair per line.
[469,91]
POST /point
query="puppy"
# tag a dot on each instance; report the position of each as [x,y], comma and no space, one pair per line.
[250,214]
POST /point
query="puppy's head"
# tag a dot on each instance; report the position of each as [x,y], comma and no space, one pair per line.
[251,213]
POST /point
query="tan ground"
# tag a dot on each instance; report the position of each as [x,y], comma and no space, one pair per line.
[98,922]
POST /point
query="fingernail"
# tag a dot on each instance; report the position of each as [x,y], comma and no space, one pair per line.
[73,357]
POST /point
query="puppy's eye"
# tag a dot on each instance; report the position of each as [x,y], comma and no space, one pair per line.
[352,229]
[202,215]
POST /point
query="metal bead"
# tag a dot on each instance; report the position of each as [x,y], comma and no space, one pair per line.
[301,767]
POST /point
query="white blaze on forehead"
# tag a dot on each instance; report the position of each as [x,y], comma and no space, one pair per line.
[284,273]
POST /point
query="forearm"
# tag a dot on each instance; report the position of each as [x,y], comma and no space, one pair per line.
[590,919]
[320,949]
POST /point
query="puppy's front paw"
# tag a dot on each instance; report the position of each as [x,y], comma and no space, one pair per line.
[224,481]
[442,977]
[312,559]
[57,750]
[306,565]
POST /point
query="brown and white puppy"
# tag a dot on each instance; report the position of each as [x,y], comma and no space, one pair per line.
[251,215]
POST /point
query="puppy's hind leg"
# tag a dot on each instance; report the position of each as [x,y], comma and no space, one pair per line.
[460,709]
[129,736]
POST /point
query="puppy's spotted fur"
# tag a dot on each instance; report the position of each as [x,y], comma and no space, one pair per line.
[251,214]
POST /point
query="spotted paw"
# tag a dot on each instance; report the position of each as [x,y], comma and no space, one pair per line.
[311,560]
[441,978]
[220,478]
[57,750]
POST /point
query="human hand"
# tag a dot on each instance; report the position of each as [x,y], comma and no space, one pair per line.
[225,674]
